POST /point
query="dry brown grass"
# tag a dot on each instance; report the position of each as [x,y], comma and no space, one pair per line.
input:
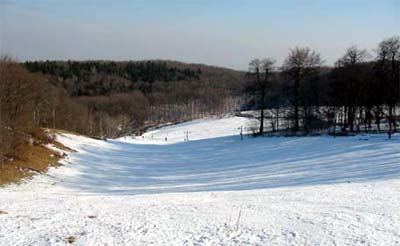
[31,159]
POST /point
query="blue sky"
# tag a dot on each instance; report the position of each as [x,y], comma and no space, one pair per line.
[218,32]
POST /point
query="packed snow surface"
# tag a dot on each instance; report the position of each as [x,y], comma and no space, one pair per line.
[214,189]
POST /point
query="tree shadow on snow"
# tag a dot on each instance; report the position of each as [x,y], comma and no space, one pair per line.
[229,164]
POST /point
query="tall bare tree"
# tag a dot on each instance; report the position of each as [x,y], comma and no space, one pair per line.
[255,67]
[268,67]
[351,77]
[389,51]
[261,67]
[352,56]
[300,62]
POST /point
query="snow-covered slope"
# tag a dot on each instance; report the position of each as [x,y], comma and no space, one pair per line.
[195,130]
[218,190]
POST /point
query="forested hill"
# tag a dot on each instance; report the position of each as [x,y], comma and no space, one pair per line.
[99,78]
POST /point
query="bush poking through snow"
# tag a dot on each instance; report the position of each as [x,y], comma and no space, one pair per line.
[70,239]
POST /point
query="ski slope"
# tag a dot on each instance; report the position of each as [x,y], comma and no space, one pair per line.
[214,189]
[213,127]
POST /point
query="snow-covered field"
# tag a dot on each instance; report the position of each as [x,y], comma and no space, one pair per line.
[215,189]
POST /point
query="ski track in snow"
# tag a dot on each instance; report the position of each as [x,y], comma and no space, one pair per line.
[148,191]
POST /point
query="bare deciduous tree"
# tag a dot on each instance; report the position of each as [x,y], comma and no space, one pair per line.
[389,51]
[351,78]
[352,56]
[261,67]
[299,63]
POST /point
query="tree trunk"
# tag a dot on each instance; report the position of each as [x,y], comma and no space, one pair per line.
[262,110]
[394,118]
[296,104]
[390,118]
[54,118]
[378,118]
[277,119]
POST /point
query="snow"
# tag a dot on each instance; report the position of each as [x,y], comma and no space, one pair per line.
[195,130]
[215,189]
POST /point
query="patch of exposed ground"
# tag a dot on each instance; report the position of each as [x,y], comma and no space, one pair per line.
[31,157]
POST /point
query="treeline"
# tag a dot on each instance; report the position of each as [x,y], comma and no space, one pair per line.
[99,78]
[127,96]
[360,93]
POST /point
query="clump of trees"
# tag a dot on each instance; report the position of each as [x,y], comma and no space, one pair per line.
[259,85]
[114,115]
[359,93]
[28,101]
